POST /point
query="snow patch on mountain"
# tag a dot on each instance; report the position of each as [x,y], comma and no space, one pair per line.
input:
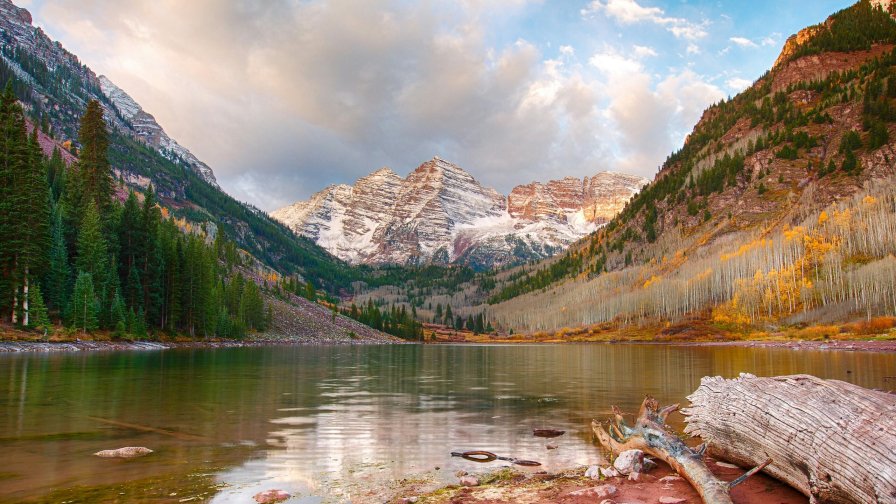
[149,131]
[441,213]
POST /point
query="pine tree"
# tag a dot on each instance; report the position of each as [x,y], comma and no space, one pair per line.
[58,278]
[34,222]
[140,325]
[93,252]
[151,269]
[24,209]
[93,163]
[83,307]
[39,319]
[117,315]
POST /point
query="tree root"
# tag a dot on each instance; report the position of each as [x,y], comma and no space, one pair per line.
[650,436]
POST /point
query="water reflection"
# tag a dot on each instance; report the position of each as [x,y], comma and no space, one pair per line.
[324,423]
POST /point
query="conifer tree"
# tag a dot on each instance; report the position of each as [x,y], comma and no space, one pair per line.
[57,280]
[93,162]
[93,252]
[83,307]
[39,318]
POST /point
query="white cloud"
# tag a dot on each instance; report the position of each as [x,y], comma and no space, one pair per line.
[644,51]
[566,50]
[693,49]
[743,42]
[614,64]
[630,12]
[738,84]
[771,40]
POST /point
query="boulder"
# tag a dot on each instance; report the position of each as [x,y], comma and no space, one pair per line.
[593,472]
[469,481]
[271,496]
[629,461]
[125,452]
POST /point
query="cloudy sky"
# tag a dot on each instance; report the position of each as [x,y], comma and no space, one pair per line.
[282,97]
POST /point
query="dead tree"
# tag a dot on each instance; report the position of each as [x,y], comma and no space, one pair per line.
[650,436]
[831,440]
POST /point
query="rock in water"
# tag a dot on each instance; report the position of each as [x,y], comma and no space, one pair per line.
[125,452]
[271,496]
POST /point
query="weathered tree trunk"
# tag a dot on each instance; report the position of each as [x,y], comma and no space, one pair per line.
[650,436]
[833,441]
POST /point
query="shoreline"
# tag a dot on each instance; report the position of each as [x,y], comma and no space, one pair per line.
[33,346]
[26,346]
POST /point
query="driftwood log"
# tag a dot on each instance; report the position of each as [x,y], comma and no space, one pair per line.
[650,436]
[833,441]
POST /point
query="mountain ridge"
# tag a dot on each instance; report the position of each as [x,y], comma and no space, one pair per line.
[33,57]
[440,213]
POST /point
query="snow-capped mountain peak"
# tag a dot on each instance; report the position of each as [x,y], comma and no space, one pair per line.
[441,213]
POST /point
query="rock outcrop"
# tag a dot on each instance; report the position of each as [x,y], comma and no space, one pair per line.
[441,214]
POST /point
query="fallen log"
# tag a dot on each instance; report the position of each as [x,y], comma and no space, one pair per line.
[650,436]
[833,441]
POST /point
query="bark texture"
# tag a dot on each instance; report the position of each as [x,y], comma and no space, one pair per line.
[831,440]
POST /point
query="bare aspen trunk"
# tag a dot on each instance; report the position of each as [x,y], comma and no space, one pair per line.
[831,440]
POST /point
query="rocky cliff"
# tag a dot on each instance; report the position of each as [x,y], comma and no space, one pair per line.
[440,213]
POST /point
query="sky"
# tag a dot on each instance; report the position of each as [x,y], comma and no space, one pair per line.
[283,97]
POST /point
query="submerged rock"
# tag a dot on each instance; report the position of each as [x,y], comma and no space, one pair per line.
[125,452]
[271,496]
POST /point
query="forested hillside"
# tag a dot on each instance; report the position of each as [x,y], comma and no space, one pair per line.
[54,88]
[71,252]
[780,202]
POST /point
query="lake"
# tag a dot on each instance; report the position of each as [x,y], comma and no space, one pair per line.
[331,424]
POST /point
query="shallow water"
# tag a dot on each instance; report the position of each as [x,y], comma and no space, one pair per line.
[326,423]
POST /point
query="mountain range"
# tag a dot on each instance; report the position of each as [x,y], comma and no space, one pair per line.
[441,214]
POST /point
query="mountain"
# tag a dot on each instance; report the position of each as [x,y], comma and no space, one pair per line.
[779,207]
[35,59]
[441,214]
[54,87]
[145,128]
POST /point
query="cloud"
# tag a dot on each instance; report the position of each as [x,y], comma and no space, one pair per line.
[738,84]
[743,42]
[644,52]
[282,98]
[771,40]
[631,12]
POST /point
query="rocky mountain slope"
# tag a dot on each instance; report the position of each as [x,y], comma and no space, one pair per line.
[54,87]
[61,84]
[441,214]
[779,206]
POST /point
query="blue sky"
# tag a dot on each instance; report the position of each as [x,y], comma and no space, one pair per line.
[284,97]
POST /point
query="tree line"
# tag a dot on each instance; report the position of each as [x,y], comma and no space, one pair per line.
[72,253]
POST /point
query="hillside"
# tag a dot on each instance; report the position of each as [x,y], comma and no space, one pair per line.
[441,214]
[779,206]
[54,87]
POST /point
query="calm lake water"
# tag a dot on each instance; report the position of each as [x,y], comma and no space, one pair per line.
[326,423]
